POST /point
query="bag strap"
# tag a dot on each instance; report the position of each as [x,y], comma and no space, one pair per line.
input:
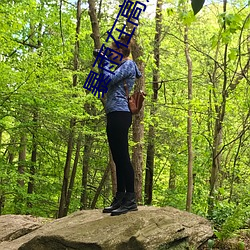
[126,89]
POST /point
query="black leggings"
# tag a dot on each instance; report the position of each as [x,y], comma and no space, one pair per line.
[118,124]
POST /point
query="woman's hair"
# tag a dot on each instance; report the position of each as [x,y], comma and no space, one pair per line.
[124,40]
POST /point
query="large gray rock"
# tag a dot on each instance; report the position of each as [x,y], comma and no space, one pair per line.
[15,226]
[147,229]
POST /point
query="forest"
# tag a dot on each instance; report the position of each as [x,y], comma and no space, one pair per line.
[189,145]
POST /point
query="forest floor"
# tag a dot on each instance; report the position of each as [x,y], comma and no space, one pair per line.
[241,242]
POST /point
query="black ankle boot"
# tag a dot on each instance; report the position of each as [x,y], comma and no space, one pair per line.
[116,203]
[128,204]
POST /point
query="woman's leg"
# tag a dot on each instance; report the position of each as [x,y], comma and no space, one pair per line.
[118,124]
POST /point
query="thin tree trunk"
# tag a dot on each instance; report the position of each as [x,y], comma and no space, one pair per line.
[113,173]
[234,170]
[2,201]
[2,198]
[99,189]
[1,135]
[97,44]
[22,159]
[76,66]
[73,174]
[172,170]
[35,112]
[85,170]
[1,180]
[244,128]
[189,125]
[217,142]
[213,79]
[148,188]
[33,156]
[95,25]
[64,191]
[62,205]
[19,199]
[99,10]
[11,154]
[218,127]
[77,42]
[172,178]
[151,134]
[32,167]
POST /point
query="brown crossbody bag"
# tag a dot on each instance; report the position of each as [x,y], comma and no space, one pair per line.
[135,101]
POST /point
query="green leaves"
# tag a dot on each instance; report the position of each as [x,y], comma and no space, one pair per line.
[233,54]
[187,17]
[197,5]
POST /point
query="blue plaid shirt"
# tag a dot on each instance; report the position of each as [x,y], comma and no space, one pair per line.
[116,96]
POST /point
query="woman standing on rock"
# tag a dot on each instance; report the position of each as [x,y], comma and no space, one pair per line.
[119,119]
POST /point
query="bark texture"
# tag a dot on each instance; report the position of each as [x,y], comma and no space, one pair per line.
[63,207]
[189,124]
[151,134]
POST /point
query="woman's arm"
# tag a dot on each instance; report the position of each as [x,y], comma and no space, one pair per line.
[124,71]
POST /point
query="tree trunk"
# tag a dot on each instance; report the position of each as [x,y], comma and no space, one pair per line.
[85,169]
[151,134]
[95,25]
[217,142]
[172,178]
[97,44]
[62,205]
[66,176]
[11,154]
[21,159]
[2,198]
[33,156]
[2,201]
[19,198]
[32,167]
[218,127]
[137,150]
[1,135]
[113,173]
[73,174]
[88,138]
[137,125]
[77,43]
[172,170]
[245,122]
[98,191]
[149,175]
[189,125]
[35,112]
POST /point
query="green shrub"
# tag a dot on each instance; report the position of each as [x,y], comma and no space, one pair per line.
[237,220]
